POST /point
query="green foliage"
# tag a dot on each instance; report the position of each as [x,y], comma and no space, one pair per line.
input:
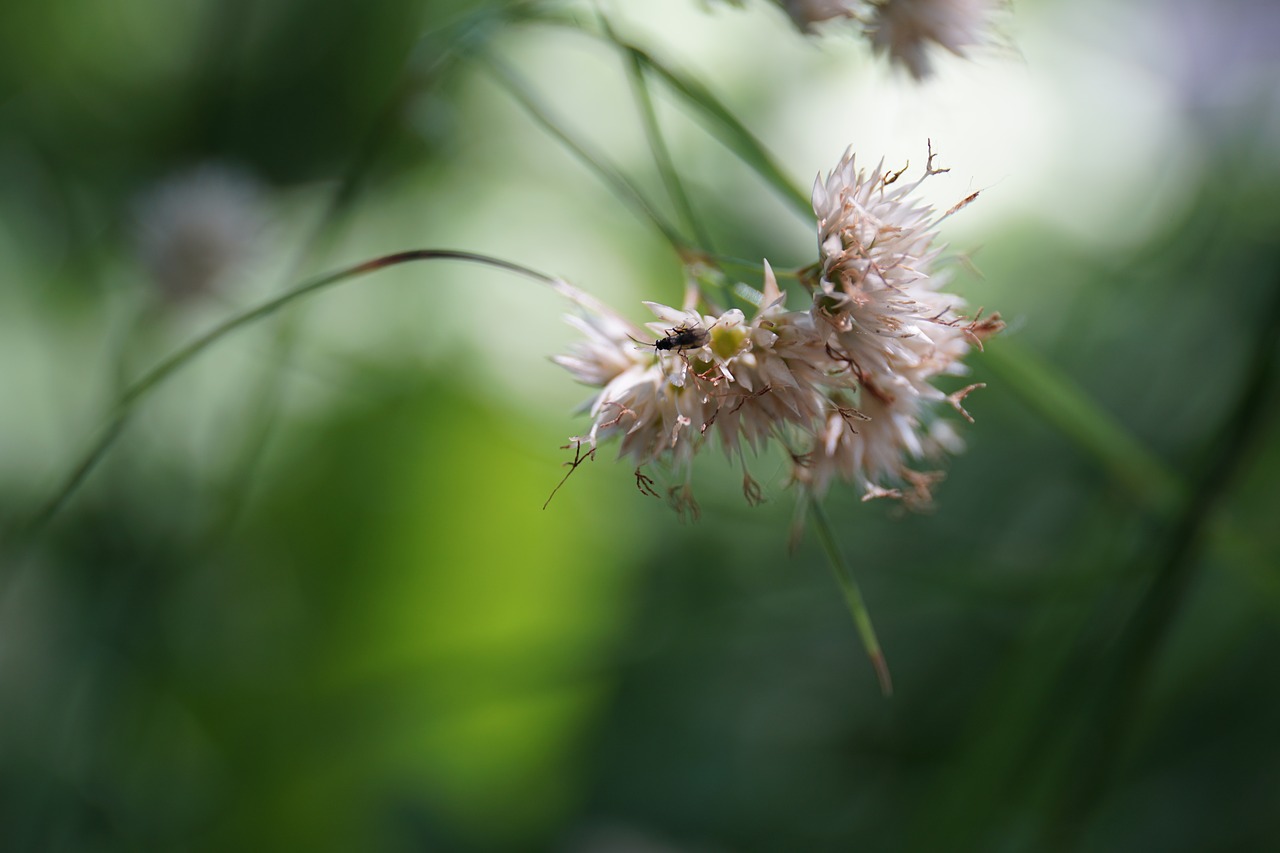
[305,596]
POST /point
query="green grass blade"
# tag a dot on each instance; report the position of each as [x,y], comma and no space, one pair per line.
[728,129]
[1057,399]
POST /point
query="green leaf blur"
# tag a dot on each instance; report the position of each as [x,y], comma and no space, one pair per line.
[309,599]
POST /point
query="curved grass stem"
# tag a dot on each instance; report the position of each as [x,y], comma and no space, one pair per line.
[145,384]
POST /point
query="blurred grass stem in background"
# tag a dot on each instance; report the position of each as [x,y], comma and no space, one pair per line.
[718,118]
[1060,402]
[658,146]
[626,191]
[1116,705]
[455,37]
[140,388]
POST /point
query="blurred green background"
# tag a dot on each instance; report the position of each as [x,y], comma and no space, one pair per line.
[310,600]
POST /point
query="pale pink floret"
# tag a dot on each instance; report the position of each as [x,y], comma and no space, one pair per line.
[846,386]
[910,31]
[890,324]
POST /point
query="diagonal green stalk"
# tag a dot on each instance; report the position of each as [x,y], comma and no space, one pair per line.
[1062,403]
[852,595]
[717,118]
[144,385]
[1131,667]
[622,186]
[725,126]
[658,146]
[753,266]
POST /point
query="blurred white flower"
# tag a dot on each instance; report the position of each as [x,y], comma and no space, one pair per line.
[908,30]
[197,227]
[808,13]
[844,386]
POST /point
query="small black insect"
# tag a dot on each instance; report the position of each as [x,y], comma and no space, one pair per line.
[684,337]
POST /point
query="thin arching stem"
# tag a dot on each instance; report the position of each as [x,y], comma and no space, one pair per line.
[452,36]
[145,384]
[852,595]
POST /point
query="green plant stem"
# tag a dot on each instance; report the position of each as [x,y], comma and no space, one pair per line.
[1123,688]
[852,596]
[731,132]
[754,266]
[707,108]
[1057,399]
[616,180]
[144,385]
[661,154]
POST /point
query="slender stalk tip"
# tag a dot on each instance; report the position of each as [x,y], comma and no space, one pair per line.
[882,672]
[852,596]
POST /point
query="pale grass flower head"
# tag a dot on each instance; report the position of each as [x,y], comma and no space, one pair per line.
[198,227]
[643,399]
[666,388]
[909,31]
[879,295]
[845,387]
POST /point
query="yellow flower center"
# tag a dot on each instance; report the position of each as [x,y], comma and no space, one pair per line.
[728,342]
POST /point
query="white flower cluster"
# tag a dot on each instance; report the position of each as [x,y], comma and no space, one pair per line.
[905,30]
[197,227]
[845,385]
